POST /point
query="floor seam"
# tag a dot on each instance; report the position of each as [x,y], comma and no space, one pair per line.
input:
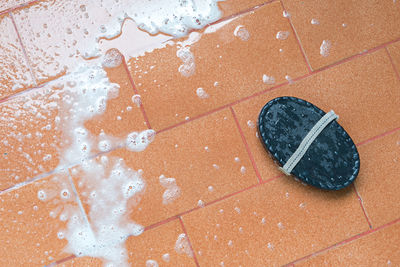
[362,206]
[297,37]
[343,242]
[190,243]
[250,155]
[28,62]
[392,62]
[132,82]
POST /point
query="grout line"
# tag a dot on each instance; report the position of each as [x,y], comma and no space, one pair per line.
[210,203]
[248,10]
[246,145]
[227,105]
[62,260]
[18,7]
[391,61]
[136,92]
[377,137]
[271,88]
[24,50]
[360,54]
[303,52]
[344,242]
[362,206]
[190,243]
[78,199]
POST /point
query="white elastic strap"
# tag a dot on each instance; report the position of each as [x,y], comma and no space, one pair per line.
[307,141]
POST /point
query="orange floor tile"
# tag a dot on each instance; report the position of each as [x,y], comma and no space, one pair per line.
[83,183]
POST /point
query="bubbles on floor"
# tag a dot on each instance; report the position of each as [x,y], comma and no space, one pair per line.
[243,169]
[268,79]
[201,203]
[282,35]
[114,188]
[41,195]
[188,67]
[137,100]
[166,257]
[314,22]
[182,245]
[172,191]
[201,93]
[286,14]
[139,141]
[251,124]
[242,33]
[289,79]
[151,263]
[112,58]
[325,48]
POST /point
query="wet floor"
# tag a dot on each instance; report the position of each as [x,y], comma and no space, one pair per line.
[128,132]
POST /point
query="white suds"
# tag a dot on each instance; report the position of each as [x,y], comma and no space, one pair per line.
[268,79]
[139,141]
[286,14]
[200,203]
[325,48]
[136,99]
[166,257]
[114,188]
[172,191]
[314,22]
[151,263]
[201,93]
[241,32]
[112,58]
[182,245]
[282,35]
[251,124]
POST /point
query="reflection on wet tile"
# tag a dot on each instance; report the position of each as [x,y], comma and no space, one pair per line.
[38,127]
[14,71]
[331,31]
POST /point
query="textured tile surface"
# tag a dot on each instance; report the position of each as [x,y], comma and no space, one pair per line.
[284,221]
[394,50]
[379,181]
[227,67]
[200,155]
[14,71]
[30,222]
[378,249]
[349,26]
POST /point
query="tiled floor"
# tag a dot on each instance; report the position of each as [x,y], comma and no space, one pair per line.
[234,207]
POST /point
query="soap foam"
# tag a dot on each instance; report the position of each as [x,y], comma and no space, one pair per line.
[325,48]
[113,188]
[172,191]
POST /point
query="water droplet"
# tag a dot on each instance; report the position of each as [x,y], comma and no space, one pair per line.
[325,47]
[282,35]
[314,22]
